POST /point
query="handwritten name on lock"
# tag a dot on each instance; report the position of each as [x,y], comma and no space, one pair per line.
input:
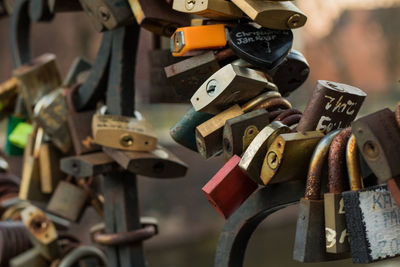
[381,217]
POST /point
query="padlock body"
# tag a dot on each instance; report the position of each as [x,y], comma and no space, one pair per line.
[229,188]
[309,244]
[372,217]
[335,224]
[67,201]
[184,130]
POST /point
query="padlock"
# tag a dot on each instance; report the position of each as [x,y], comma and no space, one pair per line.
[337,241]
[159,163]
[68,201]
[210,133]
[261,47]
[108,14]
[309,244]
[240,131]
[371,216]
[88,165]
[78,66]
[229,188]
[80,126]
[229,85]
[198,21]
[214,9]
[193,40]
[188,75]
[331,106]
[288,156]
[184,130]
[29,258]
[42,232]
[378,139]
[252,159]
[273,14]
[38,78]
[123,132]
[30,188]
[19,135]
[49,169]
[157,16]
[8,95]
[51,113]
[291,73]
[289,117]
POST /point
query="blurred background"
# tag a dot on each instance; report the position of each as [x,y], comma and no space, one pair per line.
[356,42]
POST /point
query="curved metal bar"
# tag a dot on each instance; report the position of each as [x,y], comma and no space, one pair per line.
[241,225]
[95,85]
[82,252]
[20,33]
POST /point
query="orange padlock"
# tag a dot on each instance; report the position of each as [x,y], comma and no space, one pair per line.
[189,41]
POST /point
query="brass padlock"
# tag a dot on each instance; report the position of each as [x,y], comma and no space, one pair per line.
[240,131]
[214,9]
[309,244]
[188,75]
[42,232]
[378,138]
[252,159]
[30,188]
[273,14]
[335,221]
[49,169]
[159,163]
[157,16]
[209,133]
[38,78]
[229,85]
[193,40]
[88,165]
[123,132]
[68,201]
[288,156]
[108,14]
[50,113]
[331,106]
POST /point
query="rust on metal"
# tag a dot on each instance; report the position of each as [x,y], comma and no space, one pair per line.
[225,54]
[292,119]
[274,114]
[313,187]
[117,239]
[337,162]
[287,113]
[353,164]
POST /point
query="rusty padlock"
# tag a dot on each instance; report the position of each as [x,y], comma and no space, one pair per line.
[309,245]
[335,220]
[229,188]
[331,106]
[215,9]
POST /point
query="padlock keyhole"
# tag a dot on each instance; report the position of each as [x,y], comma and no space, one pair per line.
[371,150]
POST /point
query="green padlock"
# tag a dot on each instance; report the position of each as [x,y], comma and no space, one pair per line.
[19,136]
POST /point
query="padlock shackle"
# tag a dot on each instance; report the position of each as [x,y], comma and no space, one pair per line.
[256,101]
[313,187]
[353,165]
[337,162]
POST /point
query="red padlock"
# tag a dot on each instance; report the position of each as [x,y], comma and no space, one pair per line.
[229,188]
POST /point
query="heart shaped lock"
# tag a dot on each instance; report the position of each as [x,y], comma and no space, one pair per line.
[262,47]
